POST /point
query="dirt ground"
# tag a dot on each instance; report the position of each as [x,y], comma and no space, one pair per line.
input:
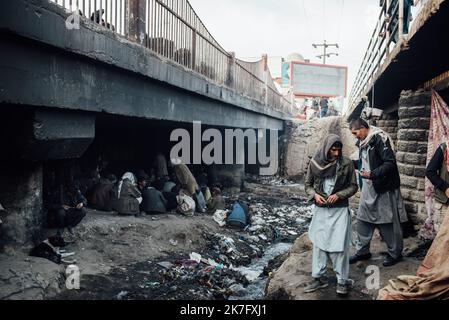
[289,281]
[149,257]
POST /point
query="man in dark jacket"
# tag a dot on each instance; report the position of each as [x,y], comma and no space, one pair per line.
[103,194]
[66,207]
[153,202]
[330,182]
[381,204]
[438,174]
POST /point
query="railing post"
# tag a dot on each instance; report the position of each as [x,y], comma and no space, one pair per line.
[401,19]
[135,20]
[193,49]
[265,72]
[387,28]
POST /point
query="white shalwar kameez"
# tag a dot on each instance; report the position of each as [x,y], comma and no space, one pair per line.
[330,233]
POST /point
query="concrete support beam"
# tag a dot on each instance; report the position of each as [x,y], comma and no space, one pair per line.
[40,135]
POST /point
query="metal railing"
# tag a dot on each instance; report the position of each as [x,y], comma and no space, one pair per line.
[172,29]
[388,33]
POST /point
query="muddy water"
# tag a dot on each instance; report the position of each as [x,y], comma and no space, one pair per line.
[254,273]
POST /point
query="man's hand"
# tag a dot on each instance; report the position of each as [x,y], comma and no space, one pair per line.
[333,199]
[65,207]
[447,193]
[320,200]
[365,174]
[79,206]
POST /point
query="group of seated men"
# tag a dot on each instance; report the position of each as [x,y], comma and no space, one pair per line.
[137,195]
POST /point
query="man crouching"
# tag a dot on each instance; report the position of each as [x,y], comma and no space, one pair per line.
[330,182]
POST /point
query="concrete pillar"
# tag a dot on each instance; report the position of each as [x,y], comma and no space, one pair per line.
[413,133]
[21,195]
[230,176]
[135,20]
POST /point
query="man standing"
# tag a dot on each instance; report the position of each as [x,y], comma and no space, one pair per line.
[330,182]
[438,174]
[324,105]
[381,205]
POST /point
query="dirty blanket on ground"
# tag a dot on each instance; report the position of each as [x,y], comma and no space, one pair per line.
[432,280]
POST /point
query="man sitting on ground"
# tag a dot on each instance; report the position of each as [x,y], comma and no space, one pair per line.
[66,208]
[216,202]
[103,194]
[153,201]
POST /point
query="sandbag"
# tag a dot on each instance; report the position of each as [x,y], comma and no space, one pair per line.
[186,205]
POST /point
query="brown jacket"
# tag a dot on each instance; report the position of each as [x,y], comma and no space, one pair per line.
[345,186]
[127,203]
[215,203]
[102,195]
[186,179]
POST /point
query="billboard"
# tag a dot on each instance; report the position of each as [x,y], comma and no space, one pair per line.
[286,73]
[318,80]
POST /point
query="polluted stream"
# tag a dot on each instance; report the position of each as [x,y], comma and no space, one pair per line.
[232,265]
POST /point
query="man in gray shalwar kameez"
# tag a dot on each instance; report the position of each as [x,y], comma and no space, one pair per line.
[381,204]
[330,182]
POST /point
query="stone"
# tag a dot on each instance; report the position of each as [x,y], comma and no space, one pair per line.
[413,134]
[407,146]
[421,148]
[391,123]
[413,112]
[411,98]
[414,123]
[406,169]
[302,244]
[412,158]
[420,171]
[421,184]
[410,182]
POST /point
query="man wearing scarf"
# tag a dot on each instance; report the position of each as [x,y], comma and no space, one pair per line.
[381,205]
[437,172]
[330,182]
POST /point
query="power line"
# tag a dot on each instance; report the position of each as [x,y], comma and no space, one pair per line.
[307,20]
[341,20]
[324,19]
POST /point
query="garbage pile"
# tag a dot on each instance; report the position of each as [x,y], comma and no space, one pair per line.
[269,180]
[224,268]
[278,224]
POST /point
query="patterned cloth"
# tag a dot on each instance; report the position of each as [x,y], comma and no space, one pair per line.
[438,134]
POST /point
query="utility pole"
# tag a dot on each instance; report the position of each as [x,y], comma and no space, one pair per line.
[325,45]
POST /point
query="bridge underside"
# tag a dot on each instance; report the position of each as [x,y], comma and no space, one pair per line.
[53,78]
[423,57]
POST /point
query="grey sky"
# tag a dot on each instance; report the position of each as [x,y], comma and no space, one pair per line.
[278,28]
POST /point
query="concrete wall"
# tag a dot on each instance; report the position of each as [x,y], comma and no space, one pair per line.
[304,138]
[413,132]
[21,195]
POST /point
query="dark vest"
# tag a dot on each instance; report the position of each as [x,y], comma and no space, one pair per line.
[439,195]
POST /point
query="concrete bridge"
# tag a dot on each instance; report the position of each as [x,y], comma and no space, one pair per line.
[84,80]
[397,76]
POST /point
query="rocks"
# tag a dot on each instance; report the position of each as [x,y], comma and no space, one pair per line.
[304,139]
[29,278]
[302,244]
